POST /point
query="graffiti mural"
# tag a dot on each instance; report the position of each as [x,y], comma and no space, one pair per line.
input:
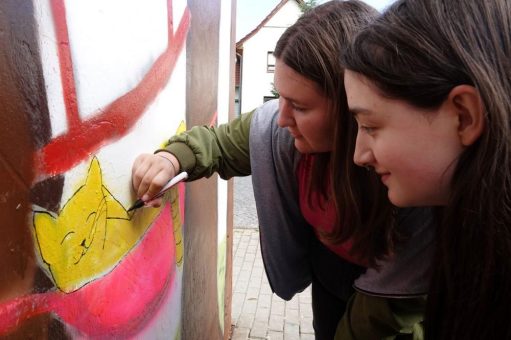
[85,87]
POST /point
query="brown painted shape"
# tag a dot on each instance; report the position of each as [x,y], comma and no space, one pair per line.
[47,193]
[16,148]
[24,127]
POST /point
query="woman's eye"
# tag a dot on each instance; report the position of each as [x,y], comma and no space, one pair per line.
[367,129]
[298,108]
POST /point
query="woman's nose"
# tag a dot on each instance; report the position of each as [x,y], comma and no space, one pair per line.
[285,118]
[363,155]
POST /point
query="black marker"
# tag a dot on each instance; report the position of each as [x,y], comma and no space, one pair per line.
[181,177]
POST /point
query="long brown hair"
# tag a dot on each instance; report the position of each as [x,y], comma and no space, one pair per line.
[312,47]
[417,52]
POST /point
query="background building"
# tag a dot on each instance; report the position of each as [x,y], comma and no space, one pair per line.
[255,63]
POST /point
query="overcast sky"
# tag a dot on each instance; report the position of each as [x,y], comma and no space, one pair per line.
[251,12]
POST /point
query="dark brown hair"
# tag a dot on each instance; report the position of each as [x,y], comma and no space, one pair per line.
[417,52]
[312,47]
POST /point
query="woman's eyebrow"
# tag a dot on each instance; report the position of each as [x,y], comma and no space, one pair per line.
[293,100]
[357,111]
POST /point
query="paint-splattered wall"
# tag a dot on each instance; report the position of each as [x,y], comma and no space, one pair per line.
[86,86]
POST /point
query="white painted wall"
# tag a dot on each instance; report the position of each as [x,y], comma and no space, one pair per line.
[113,44]
[256,82]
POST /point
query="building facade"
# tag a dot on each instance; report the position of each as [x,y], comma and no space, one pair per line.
[255,63]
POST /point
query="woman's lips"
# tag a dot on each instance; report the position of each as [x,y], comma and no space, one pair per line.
[384,177]
[294,134]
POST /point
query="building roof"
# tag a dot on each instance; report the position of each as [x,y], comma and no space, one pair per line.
[281,4]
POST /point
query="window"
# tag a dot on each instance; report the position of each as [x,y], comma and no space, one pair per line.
[270,62]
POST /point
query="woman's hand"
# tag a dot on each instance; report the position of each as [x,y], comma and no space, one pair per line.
[151,172]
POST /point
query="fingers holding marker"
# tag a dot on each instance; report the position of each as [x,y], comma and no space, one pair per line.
[151,173]
[155,182]
[139,169]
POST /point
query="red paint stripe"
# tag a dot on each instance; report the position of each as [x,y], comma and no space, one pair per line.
[213,119]
[170,18]
[114,121]
[16,311]
[66,63]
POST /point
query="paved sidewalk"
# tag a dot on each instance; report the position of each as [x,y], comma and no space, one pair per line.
[256,312]
[245,215]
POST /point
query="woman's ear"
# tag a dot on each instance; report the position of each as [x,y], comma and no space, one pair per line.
[468,106]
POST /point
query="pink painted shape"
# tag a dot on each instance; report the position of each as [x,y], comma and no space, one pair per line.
[117,305]
[168,298]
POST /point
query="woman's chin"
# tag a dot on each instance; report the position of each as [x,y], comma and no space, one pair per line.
[305,148]
[302,147]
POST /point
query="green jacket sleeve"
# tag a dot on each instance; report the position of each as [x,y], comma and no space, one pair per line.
[370,318]
[203,150]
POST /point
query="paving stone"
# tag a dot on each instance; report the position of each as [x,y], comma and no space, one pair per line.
[262,314]
[291,331]
[258,273]
[292,304]
[305,310]
[249,306]
[277,306]
[254,283]
[241,286]
[252,293]
[240,334]
[306,326]
[245,321]
[259,329]
[251,249]
[292,316]
[275,335]
[276,323]
[264,300]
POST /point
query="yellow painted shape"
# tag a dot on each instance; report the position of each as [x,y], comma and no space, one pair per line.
[178,224]
[176,212]
[91,234]
[181,128]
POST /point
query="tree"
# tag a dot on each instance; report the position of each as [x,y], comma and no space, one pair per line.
[307,4]
[274,91]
